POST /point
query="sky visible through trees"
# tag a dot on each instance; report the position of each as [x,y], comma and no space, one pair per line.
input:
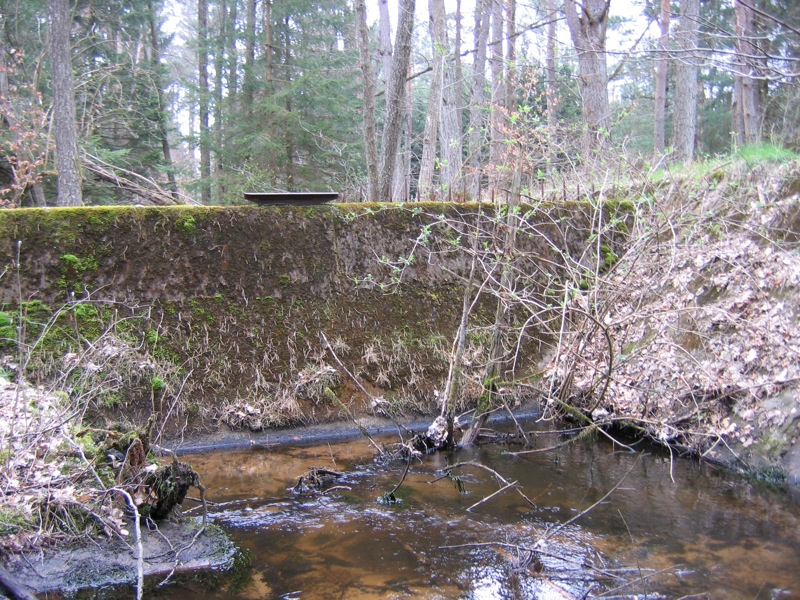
[271,96]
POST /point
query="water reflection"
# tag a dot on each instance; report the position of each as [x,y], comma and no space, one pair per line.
[703,533]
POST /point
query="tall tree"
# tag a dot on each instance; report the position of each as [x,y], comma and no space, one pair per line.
[385,42]
[660,116]
[220,45]
[746,100]
[550,68]
[438,41]
[248,86]
[684,121]
[458,69]
[511,53]
[203,101]
[163,129]
[365,62]
[64,125]
[477,102]
[269,45]
[588,22]
[395,98]
[497,135]
[450,123]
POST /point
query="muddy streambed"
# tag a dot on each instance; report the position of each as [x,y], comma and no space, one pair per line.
[671,529]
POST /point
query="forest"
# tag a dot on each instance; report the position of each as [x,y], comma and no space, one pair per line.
[173,102]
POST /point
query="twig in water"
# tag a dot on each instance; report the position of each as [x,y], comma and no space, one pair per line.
[137,526]
[490,496]
[499,477]
[551,532]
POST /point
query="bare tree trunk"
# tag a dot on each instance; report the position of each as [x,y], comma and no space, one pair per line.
[268,43]
[395,99]
[248,87]
[476,107]
[588,21]
[450,141]
[660,116]
[64,125]
[288,139]
[385,43]
[401,183]
[496,143]
[233,55]
[370,147]
[746,109]
[458,71]
[435,99]
[684,123]
[511,53]
[219,126]
[162,112]
[203,101]
[550,71]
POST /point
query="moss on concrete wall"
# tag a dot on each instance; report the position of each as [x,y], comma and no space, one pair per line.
[237,297]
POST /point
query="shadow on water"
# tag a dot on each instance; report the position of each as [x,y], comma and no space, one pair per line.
[671,529]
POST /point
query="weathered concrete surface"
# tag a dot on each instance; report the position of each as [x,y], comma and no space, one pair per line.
[237,297]
[114,562]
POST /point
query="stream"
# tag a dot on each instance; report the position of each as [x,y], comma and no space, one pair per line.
[673,528]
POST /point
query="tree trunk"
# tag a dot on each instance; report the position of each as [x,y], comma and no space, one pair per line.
[497,141]
[395,99]
[550,72]
[203,101]
[746,108]
[64,125]
[385,43]
[219,118]
[458,71]
[248,87]
[233,56]
[268,44]
[288,135]
[684,122]
[401,185]
[162,109]
[429,138]
[660,115]
[511,54]
[450,143]
[477,102]
[587,21]
[365,62]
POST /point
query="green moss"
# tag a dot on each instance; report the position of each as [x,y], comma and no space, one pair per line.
[609,257]
[74,271]
[188,224]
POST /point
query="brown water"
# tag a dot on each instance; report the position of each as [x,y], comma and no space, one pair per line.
[670,530]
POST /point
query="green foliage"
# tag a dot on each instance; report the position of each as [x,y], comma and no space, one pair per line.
[74,271]
[188,224]
[8,332]
[759,154]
